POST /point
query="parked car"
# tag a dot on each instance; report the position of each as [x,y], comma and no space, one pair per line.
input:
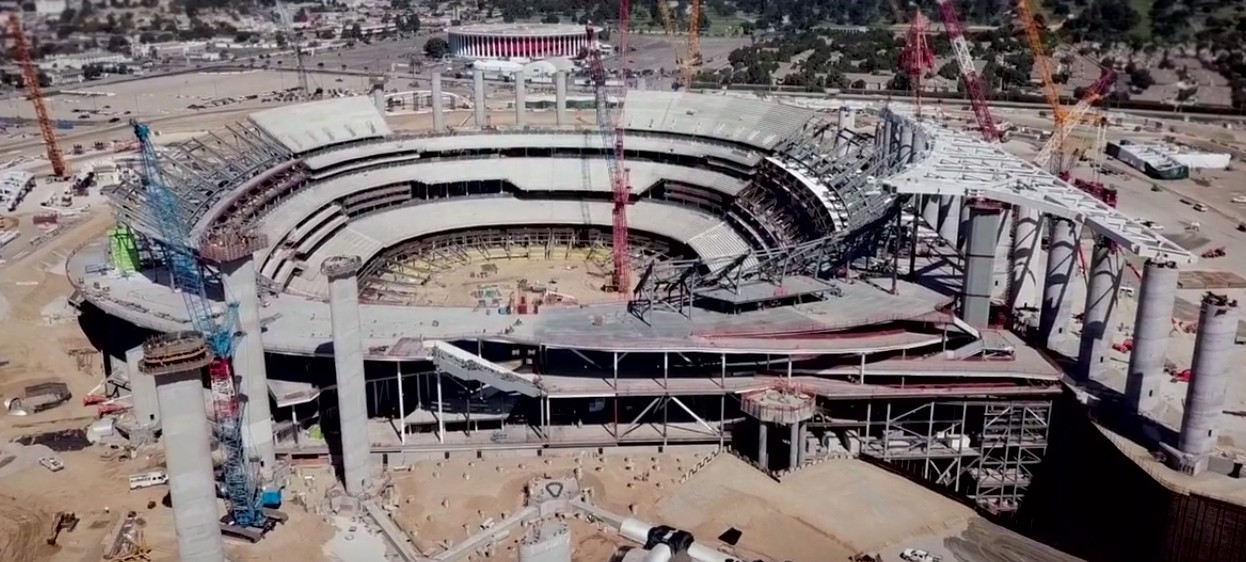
[1200,207]
[1239,199]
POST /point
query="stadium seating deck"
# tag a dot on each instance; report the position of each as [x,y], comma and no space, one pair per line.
[308,126]
[723,117]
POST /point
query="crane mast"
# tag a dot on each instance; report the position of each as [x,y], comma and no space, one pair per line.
[973,80]
[611,132]
[30,76]
[693,61]
[917,58]
[295,40]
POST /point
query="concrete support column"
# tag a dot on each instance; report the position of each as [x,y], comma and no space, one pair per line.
[176,361]
[919,144]
[521,102]
[763,450]
[949,219]
[352,403]
[930,211]
[906,144]
[560,98]
[248,362]
[1211,368]
[439,116]
[1152,324]
[962,227]
[982,237]
[847,122]
[1026,252]
[1105,281]
[793,457]
[1061,260]
[803,437]
[478,95]
[142,390]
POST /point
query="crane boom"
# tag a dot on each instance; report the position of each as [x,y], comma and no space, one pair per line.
[668,25]
[218,329]
[969,73]
[1041,61]
[1073,117]
[611,132]
[30,77]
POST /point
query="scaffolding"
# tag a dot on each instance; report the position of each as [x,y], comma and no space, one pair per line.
[983,450]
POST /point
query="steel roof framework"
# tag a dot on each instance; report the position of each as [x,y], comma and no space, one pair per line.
[957,165]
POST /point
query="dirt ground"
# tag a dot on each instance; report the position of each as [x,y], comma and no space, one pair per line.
[825,512]
[477,490]
[578,280]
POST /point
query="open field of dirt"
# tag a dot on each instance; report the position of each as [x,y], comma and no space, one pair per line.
[822,513]
[577,281]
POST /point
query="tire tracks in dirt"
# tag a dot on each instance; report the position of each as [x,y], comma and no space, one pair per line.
[21,532]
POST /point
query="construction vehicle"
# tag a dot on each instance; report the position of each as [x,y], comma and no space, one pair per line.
[1098,190]
[63,521]
[247,518]
[53,464]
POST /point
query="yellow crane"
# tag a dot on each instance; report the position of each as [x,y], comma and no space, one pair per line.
[1053,153]
[692,63]
[688,55]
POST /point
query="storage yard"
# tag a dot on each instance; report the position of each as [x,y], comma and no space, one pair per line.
[793,333]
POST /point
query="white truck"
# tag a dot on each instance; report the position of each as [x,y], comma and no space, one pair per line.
[53,464]
[148,479]
[918,555]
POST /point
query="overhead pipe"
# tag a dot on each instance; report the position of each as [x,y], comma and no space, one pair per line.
[671,541]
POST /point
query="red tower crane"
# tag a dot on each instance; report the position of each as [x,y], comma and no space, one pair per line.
[30,76]
[611,130]
[917,58]
[973,80]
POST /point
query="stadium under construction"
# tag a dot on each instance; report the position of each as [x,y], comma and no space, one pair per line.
[805,285]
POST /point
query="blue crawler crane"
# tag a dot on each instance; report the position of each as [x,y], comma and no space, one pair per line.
[247,516]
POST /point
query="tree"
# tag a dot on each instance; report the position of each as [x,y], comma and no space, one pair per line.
[551,18]
[950,71]
[1141,78]
[118,44]
[436,48]
[900,82]
[356,32]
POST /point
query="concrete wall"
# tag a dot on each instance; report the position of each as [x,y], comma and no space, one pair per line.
[1092,501]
